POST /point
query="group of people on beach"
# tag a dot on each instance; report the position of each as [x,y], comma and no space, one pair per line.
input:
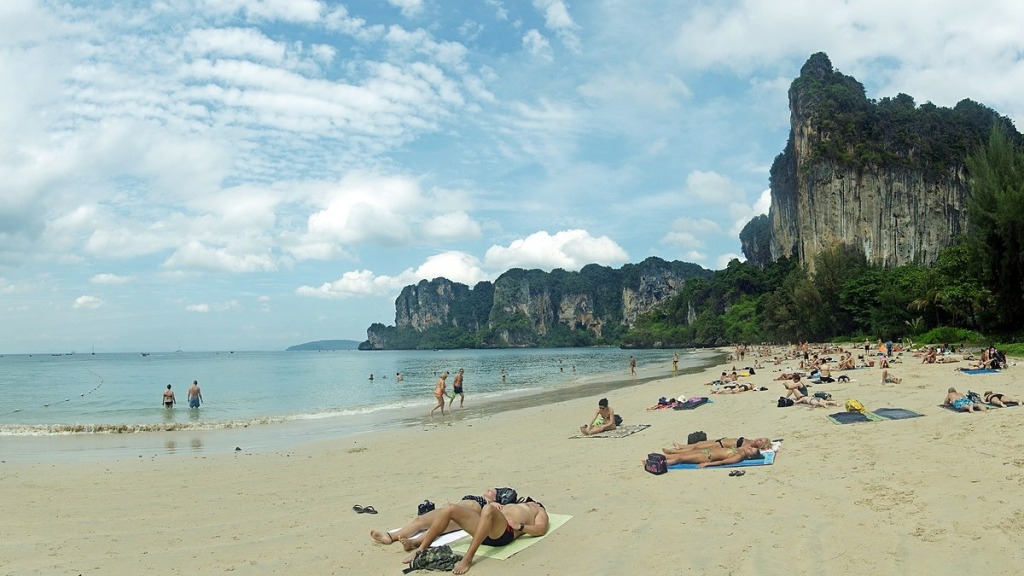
[495,518]
[195,396]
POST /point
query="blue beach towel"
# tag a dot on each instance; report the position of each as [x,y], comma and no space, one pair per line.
[768,460]
[980,371]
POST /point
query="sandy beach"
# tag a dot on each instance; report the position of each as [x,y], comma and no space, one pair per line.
[931,495]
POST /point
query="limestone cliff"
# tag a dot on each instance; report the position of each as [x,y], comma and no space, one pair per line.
[887,177]
[531,307]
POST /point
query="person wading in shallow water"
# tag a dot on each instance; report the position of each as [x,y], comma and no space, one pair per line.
[195,396]
[168,398]
[439,389]
[457,389]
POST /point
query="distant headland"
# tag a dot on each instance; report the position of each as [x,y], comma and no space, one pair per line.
[326,345]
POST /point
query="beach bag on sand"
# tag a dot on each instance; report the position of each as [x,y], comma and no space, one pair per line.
[439,558]
[695,437]
[656,463]
[784,402]
[823,395]
[618,420]
[424,507]
[853,405]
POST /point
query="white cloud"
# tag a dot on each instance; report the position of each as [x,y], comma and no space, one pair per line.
[234,42]
[557,19]
[711,187]
[568,249]
[742,214]
[409,8]
[195,254]
[201,308]
[723,261]
[536,44]
[110,279]
[453,265]
[284,10]
[87,302]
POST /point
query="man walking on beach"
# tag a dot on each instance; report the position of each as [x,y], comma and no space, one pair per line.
[675,363]
[495,525]
[632,365]
[457,389]
[195,396]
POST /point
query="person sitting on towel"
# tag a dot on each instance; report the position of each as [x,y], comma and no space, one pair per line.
[996,399]
[962,403]
[705,457]
[495,525]
[603,420]
[759,443]
[423,521]
[795,388]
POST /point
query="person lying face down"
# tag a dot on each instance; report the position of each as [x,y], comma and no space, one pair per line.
[962,403]
[719,456]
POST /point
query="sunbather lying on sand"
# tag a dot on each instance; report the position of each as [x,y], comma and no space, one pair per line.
[759,443]
[495,525]
[423,522]
[713,456]
[730,389]
[997,399]
[962,403]
[815,402]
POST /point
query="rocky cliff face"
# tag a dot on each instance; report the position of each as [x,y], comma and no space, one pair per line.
[899,193]
[524,306]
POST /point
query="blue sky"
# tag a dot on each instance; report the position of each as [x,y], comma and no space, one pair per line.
[252,174]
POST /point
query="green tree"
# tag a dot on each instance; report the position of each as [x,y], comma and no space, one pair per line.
[996,215]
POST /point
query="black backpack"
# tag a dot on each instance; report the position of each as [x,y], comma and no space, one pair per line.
[695,437]
[784,402]
[505,496]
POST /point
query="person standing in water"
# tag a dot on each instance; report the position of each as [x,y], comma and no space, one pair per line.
[195,396]
[675,363]
[168,398]
[457,389]
[439,388]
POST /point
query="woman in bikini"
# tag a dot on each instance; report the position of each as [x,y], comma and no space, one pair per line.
[759,443]
[439,393]
[713,456]
[1000,400]
[406,534]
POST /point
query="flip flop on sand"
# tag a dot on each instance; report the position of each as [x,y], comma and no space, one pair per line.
[737,473]
[364,510]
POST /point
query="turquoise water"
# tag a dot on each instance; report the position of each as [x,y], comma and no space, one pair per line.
[297,395]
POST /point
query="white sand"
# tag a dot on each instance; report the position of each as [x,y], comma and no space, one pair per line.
[931,495]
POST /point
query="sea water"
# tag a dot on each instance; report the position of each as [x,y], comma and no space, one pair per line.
[76,403]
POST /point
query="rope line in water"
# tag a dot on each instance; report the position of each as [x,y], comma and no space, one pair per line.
[82,395]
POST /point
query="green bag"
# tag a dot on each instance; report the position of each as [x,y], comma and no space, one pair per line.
[437,558]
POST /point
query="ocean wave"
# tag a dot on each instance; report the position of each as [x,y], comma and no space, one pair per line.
[73,429]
